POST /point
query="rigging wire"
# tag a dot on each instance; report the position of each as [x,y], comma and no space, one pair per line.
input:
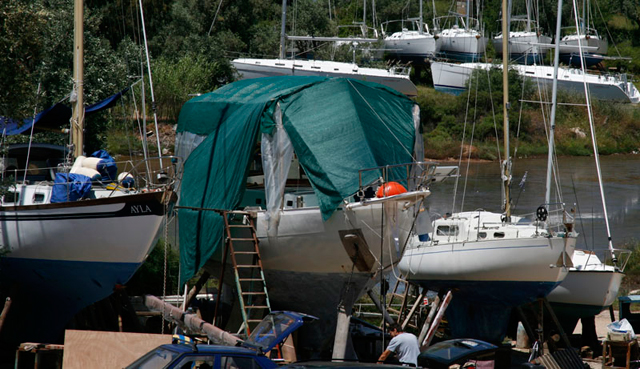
[214,18]
[464,132]
[594,142]
[473,129]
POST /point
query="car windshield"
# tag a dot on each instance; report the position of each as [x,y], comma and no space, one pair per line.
[158,358]
[270,330]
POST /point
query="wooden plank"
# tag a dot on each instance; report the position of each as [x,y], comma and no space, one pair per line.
[94,349]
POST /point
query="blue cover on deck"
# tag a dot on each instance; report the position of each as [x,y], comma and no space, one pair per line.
[70,187]
[107,166]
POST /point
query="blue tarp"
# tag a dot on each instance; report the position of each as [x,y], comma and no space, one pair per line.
[70,187]
[54,115]
[107,166]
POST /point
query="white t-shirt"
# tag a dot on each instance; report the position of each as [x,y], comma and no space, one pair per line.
[405,346]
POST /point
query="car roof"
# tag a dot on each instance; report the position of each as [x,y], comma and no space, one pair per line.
[339,364]
[209,349]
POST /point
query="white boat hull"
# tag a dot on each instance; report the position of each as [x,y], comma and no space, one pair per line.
[307,267]
[452,78]
[531,263]
[411,44]
[72,254]
[590,287]
[490,266]
[462,45]
[257,68]
[307,244]
[524,47]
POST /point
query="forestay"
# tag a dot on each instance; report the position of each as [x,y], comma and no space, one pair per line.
[336,127]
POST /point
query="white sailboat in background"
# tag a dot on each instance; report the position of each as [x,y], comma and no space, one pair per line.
[452,78]
[583,42]
[59,257]
[393,77]
[499,259]
[416,44]
[461,36]
[527,43]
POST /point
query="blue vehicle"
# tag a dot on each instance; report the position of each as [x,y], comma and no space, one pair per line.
[249,354]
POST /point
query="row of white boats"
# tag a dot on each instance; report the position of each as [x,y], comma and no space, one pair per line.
[460,40]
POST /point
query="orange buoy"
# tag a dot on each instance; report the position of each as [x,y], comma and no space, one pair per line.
[390,189]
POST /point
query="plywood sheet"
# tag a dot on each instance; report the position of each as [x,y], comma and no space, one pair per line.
[94,349]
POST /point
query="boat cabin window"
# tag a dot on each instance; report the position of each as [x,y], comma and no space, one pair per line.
[482,235]
[38,197]
[498,234]
[447,230]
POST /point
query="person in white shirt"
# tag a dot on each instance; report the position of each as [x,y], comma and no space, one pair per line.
[404,345]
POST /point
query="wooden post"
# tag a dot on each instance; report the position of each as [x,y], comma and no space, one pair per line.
[432,314]
[436,323]
[342,334]
[412,311]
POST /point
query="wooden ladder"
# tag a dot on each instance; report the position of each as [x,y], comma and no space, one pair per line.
[247,266]
[405,315]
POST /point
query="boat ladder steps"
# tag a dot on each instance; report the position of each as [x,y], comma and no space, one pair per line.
[250,284]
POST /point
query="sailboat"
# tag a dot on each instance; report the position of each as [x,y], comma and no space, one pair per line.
[591,285]
[59,256]
[492,261]
[527,42]
[394,77]
[326,145]
[413,44]
[463,38]
[583,42]
[615,87]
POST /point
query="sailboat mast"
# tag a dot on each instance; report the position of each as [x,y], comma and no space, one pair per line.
[466,19]
[421,31]
[554,104]
[505,107]
[282,29]
[77,118]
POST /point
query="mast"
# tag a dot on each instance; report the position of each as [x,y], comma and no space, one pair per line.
[77,98]
[554,104]
[420,25]
[282,29]
[466,20]
[505,109]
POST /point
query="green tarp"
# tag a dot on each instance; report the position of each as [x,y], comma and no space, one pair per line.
[337,127]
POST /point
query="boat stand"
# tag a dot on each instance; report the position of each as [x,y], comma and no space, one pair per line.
[568,357]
